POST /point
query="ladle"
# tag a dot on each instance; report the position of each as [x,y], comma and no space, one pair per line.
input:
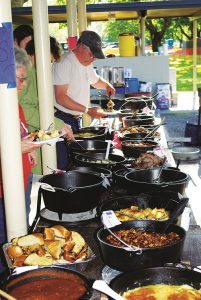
[128,247]
[177,211]
[103,287]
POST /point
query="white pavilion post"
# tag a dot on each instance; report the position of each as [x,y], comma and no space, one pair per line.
[194,61]
[44,77]
[71,9]
[82,15]
[82,25]
[10,140]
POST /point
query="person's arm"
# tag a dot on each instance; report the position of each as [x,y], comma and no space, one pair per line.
[69,103]
[32,158]
[105,85]
[28,146]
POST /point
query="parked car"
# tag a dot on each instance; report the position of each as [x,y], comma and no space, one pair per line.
[111,49]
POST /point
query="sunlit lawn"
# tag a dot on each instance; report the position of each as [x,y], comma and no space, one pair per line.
[184,67]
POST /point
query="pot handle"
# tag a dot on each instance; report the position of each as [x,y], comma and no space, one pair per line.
[163,185]
[70,190]
[46,187]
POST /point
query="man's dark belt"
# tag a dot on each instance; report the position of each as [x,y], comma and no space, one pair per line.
[67,114]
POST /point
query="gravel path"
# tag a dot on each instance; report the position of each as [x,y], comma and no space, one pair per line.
[176,121]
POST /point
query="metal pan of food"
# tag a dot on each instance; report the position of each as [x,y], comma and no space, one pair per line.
[48,283]
[154,247]
[113,162]
[174,282]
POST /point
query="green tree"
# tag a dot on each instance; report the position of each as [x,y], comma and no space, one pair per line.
[114,28]
[157,29]
[186,27]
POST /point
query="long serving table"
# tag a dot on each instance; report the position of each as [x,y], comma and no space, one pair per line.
[191,253]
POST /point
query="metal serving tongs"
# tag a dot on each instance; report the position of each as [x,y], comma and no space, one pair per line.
[80,145]
[155,128]
[157,179]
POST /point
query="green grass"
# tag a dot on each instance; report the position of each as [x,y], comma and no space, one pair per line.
[184,74]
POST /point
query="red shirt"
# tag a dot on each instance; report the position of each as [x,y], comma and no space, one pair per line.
[25,157]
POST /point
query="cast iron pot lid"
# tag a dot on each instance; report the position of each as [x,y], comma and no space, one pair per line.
[185,153]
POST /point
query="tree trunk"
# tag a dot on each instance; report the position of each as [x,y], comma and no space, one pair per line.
[157,35]
[18,3]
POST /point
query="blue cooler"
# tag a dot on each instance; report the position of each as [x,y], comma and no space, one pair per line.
[131,85]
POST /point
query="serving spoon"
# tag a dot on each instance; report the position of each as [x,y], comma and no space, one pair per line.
[103,287]
[9,297]
[107,150]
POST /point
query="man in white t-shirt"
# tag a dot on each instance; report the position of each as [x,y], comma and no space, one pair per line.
[72,78]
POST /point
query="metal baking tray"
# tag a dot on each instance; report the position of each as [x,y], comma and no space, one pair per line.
[79,266]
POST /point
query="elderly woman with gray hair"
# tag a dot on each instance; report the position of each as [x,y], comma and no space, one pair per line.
[23,64]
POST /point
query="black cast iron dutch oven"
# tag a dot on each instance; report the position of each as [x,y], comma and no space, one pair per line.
[127,260]
[169,201]
[46,287]
[139,136]
[157,275]
[94,133]
[113,162]
[88,146]
[138,103]
[130,121]
[71,192]
[96,170]
[139,181]
[134,148]
[119,177]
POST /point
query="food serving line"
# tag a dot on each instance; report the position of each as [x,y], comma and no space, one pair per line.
[80,210]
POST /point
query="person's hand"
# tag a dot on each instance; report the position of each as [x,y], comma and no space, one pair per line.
[32,158]
[28,146]
[96,112]
[68,133]
[110,90]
